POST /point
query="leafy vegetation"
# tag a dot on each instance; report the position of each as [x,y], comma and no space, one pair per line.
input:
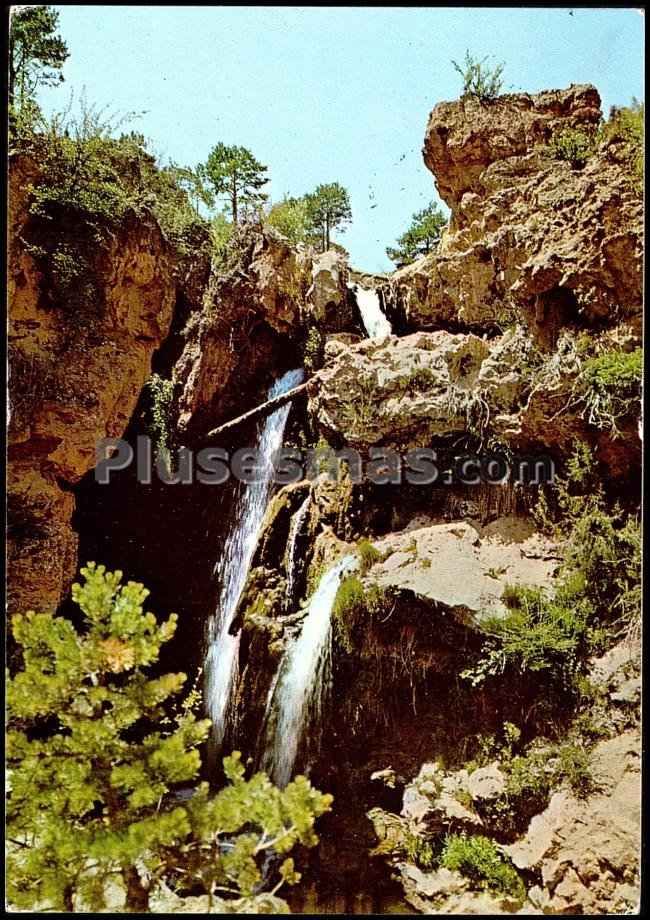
[353,604]
[234,173]
[610,388]
[625,127]
[96,752]
[91,179]
[292,218]
[421,238]
[573,145]
[478,859]
[481,80]
[368,554]
[329,209]
[597,595]
[162,394]
[36,55]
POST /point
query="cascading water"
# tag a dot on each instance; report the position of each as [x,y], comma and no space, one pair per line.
[302,683]
[374,321]
[222,647]
[291,561]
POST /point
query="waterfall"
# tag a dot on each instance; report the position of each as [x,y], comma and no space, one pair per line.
[223,648]
[374,321]
[291,563]
[303,679]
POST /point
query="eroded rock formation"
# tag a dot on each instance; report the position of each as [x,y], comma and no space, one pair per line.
[75,378]
[531,237]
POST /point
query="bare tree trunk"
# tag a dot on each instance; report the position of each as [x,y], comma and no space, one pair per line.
[235,216]
[137,896]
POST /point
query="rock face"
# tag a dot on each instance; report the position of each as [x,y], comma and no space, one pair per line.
[587,852]
[74,379]
[252,324]
[531,237]
[459,566]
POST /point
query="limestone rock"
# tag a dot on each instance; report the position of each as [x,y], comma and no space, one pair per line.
[399,391]
[462,567]
[486,783]
[587,851]
[74,380]
[531,238]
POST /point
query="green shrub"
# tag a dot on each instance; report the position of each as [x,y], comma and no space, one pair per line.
[368,554]
[538,633]
[573,145]
[89,181]
[353,606]
[480,80]
[610,388]
[478,859]
[97,748]
[419,851]
[162,393]
[573,768]
[626,127]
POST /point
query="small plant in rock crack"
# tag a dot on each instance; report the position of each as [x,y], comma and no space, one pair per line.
[368,555]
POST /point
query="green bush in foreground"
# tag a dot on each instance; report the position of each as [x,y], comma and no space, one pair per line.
[95,754]
[478,859]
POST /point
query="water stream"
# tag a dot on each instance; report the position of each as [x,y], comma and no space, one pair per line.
[296,703]
[374,321]
[233,565]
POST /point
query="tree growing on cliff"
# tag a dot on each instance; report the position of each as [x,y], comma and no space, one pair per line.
[329,209]
[36,53]
[421,237]
[96,753]
[235,174]
[291,217]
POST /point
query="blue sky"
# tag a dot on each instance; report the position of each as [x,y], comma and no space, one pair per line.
[330,94]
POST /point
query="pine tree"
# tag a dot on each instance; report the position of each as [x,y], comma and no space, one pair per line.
[329,209]
[235,173]
[421,237]
[36,52]
[95,752]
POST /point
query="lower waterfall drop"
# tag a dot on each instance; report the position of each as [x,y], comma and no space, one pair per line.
[296,701]
[374,321]
[234,563]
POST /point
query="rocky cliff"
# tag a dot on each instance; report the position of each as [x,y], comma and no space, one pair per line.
[532,238]
[536,287]
[75,377]
[520,335]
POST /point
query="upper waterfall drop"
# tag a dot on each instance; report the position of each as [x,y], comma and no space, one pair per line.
[374,321]
[223,648]
[303,679]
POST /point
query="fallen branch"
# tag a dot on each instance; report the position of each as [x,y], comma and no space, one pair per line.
[269,406]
